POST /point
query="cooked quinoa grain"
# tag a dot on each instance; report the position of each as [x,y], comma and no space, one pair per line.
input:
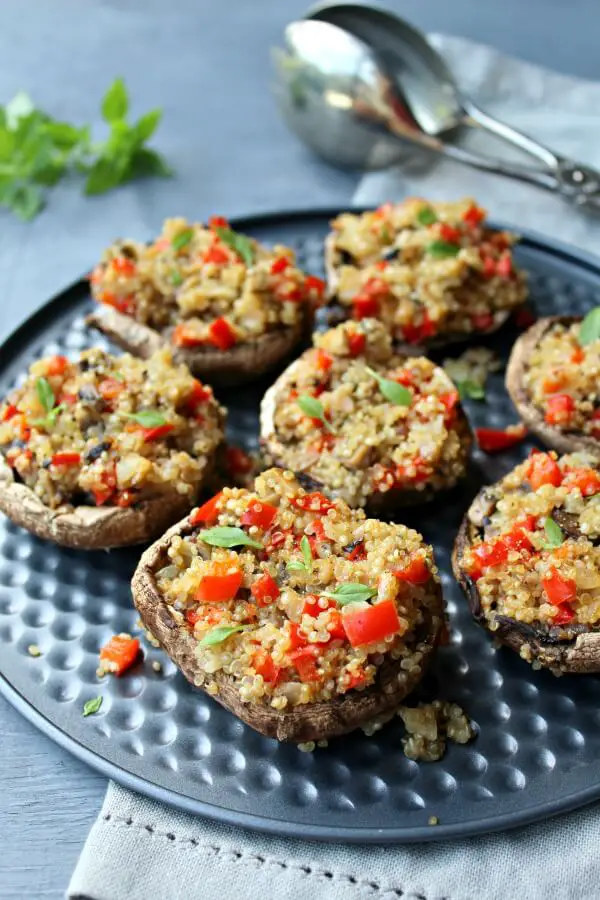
[205,285]
[432,272]
[369,441]
[294,597]
[109,431]
[535,558]
[430,725]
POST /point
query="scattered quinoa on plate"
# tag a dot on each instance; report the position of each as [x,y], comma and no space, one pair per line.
[433,273]
[528,559]
[81,440]
[369,425]
[553,378]
[297,613]
[226,304]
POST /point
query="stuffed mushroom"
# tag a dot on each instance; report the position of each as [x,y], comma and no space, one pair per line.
[528,558]
[363,423]
[105,451]
[228,307]
[433,273]
[552,378]
[293,611]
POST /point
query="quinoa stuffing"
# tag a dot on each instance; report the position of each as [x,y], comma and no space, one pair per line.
[535,558]
[430,725]
[363,420]
[109,431]
[296,598]
[205,285]
[429,271]
[562,379]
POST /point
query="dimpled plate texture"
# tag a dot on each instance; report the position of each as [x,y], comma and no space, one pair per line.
[538,747]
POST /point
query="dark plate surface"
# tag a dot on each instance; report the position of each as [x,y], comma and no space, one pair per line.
[538,749]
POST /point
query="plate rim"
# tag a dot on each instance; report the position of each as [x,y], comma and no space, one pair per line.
[61,301]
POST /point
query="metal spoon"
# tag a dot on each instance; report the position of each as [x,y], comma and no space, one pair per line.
[361,95]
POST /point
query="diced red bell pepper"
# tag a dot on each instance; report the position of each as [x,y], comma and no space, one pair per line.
[66,459]
[297,637]
[280,265]
[311,605]
[121,652]
[221,334]
[587,481]
[110,388]
[364,307]
[306,664]
[125,499]
[365,625]
[276,540]
[504,266]
[155,434]
[208,513]
[357,552]
[482,321]
[559,589]
[554,381]
[336,629]
[578,355]
[221,585]
[415,334]
[564,615]
[260,514]
[122,265]
[416,572]
[185,336]
[356,679]
[68,399]
[494,440]
[323,360]
[238,461]
[474,216]
[123,305]
[315,502]
[265,589]
[263,664]
[102,495]
[449,234]
[317,530]
[495,552]
[543,469]
[312,283]
[192,616]
[489,266]
[559,409]
[217,222]
[199,394]
[356,343]
[57,365]
[216,254]
[450,402]
[524,317]
[10,411]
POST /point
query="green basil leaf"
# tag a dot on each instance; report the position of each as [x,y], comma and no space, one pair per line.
[589,330]
[312,407]
[182,239]
[470,390]
[296,566]
[49,420]
[391,390]
[426,216]
[26,202]
[176,278]
[147,418]
[145,162]
[18,108]
[219,634]
[115,103]
[92,706]
[104,175]
[306,553]
[351,593]
[147,124]
[442,249]
[239,243]
[45,393]
[554,533]
[228,536]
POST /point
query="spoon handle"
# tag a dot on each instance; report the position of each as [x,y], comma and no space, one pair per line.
[478,117]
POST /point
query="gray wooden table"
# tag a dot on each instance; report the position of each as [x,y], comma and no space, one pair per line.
[207,64]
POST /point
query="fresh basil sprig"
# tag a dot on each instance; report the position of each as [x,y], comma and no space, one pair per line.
[182,239]
[426,216]
[554,534]
[307,565]
[239,243]
[92,706]
[589,330]
[219,634]
[46,397]
[312,407]
[147,418]
[391,390]
[228,536]
[442,249]
[350,592]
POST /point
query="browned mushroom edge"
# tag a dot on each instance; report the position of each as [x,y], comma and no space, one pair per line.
[309,722]
[569,649]
[557,438]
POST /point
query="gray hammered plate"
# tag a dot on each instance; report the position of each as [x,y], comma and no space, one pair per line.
[538,748]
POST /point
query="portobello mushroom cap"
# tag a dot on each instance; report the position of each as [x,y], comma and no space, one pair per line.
[380,503]
[308,722]
[91,527]
[571,649]
[242,362]
[336,312]
[556,438]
